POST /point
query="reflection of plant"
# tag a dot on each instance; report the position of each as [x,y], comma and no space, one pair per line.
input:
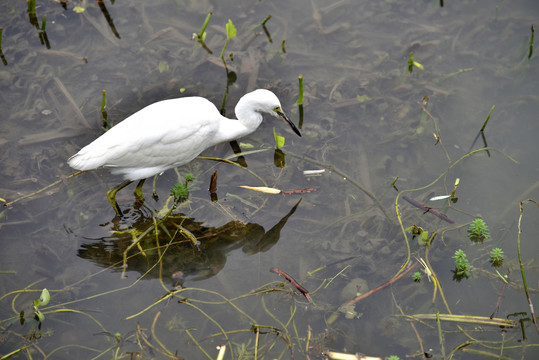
[496,257]
[462,266]
[478,231]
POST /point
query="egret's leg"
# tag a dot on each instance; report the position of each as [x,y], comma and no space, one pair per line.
[138,191]
[155,197]
[111,195]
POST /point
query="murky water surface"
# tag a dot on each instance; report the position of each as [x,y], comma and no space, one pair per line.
[380,132]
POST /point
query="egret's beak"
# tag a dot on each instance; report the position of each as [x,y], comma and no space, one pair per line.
[283,117]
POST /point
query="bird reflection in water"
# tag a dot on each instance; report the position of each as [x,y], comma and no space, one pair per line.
[183,260]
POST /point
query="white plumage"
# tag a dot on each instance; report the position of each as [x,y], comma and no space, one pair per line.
[171,133]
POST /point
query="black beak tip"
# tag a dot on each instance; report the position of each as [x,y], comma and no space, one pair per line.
[286,119]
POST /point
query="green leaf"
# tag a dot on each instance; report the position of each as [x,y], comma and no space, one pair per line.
[164,67]
[45,297]
[279,140]
[230,30]
[246,145]
[363,98]
[79,9]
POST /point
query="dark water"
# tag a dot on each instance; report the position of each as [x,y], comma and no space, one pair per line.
[363,124]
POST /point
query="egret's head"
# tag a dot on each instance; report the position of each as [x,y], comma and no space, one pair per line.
[264,101]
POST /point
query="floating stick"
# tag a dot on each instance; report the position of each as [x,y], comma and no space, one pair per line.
[293,281]
[428,209]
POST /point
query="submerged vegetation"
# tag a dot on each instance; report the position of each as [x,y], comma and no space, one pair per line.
[496,257]
[478,231]
[180,191]
[462,265]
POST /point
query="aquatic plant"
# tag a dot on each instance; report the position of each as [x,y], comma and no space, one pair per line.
[2,57]
[417,231]
[417,276]
[201,36]
[230,34]
[266,31]
[104,116]
[462,265]
[180,191]
[44,299]
[496,257]
[412,63]
[530,51]
[478,231]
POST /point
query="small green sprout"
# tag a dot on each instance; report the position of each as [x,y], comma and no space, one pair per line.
[417,276]
[279,140]
[393,357]
[180,191]
[230,34]
[496,257]
[418,231]
[412,63]
[478,231]
[201,36]
[300,96]
[44,299]
[462,265]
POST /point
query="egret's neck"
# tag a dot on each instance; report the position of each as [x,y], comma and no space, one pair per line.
[248,119]
[230,129]
[246,114]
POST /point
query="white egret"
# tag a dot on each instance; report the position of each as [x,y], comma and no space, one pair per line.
[171,133]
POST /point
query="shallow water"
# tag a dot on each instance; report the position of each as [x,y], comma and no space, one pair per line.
[363,123]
